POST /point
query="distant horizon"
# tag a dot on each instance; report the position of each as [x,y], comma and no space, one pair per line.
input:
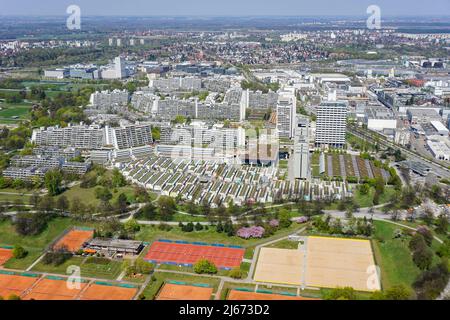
[225,16]
[230,8]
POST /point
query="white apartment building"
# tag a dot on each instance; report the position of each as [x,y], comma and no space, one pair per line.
[286,112]
[109,98]
[128,136]
[331,124]
[81,137]
[94,137]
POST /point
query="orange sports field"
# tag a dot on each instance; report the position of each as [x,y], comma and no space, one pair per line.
[54,289]
[184,292]
[5,255]
[33,287]
[98,291]
[74,239]
[12,284]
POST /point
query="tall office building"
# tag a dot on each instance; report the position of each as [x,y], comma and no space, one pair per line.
[331,124]
[301,149]
[119,65]
[286,112]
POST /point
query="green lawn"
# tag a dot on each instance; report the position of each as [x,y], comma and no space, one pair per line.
[88,195]
[33,244]
[19,110]
[14,197]
[249,252]
[187,218]
[365,201]
[393,256]
[90,267]
[284,244]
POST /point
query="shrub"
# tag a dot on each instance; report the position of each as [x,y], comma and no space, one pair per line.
[346,293]
[19,252]
[164,227]
[57,257]
[235,273]
[198,227]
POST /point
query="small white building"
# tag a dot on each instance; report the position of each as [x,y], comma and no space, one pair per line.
[439,149]
[440,128]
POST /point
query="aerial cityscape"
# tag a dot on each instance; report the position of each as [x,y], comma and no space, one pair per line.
[255,152]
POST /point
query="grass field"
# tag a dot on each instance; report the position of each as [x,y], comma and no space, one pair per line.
[151,291]
[88,195]
[90,267]
[8,111]
[284,244]
[393,256]
[14,197]
[365,201]
[187,218]
[33,244]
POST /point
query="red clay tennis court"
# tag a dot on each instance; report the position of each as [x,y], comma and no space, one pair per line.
[184,292]
[245,295]
[189,254]
[54,289]
[12,284]
[5,255]
[74,239]
[108,292]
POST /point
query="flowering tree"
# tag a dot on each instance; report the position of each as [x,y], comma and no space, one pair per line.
[251,232]
[274,223]
[301,219]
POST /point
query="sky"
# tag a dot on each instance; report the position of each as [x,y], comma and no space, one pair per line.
[226,7]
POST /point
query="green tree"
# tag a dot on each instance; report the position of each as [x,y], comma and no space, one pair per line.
[118,180]
[179,119]
[204,266]
[103,194]
[166,207]
[285,220]
[132,226]
[62,204]
[423,257]
[398,292]
[364,189]
[198,227]
[121,203]
[148,212]
[19,252]
[430,283]
[52,181]
[442,224]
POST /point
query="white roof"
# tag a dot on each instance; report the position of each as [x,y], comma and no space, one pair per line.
[439,126]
